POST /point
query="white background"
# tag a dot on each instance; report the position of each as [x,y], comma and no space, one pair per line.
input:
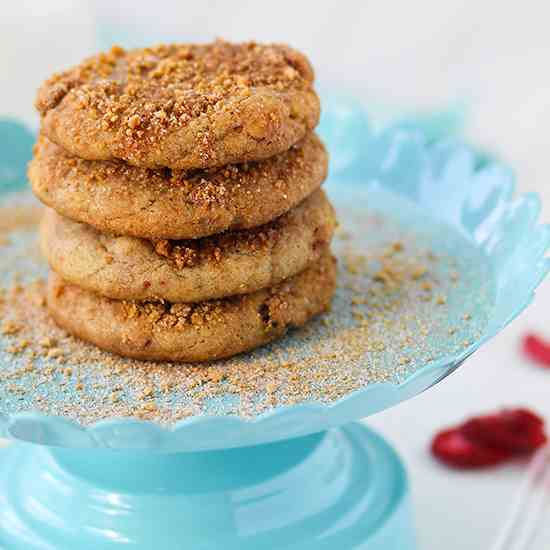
[396,55]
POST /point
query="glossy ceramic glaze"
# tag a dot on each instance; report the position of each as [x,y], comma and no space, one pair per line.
[123,483]
[446,180]
[336,490]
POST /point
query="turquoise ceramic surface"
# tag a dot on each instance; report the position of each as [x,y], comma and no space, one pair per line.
[447,181]
[345,489]
[291,478]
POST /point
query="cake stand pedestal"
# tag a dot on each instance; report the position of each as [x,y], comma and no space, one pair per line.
[338,489]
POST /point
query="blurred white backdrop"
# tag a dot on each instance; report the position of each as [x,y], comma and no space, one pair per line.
[397,56]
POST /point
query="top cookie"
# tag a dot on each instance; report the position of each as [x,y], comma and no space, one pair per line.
[182,106]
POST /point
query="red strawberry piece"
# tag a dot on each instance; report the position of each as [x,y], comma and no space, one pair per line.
[454,449]
[490,439]
[515,430]
[537,349]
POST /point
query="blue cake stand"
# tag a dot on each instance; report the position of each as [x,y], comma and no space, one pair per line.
[302,476]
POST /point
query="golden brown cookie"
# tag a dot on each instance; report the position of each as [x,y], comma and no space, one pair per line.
[182,105]
[125,200]
[193,332]
[129,268]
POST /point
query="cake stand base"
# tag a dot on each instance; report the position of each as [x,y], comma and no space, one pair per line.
[340,489]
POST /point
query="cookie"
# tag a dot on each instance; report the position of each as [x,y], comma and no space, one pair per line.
[115,197]
[128,268]
[182,106]
[193,332]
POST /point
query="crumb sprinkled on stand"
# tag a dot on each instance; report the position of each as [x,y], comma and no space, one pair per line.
[383,326]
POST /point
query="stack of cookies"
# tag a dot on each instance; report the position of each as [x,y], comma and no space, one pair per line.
[186,219]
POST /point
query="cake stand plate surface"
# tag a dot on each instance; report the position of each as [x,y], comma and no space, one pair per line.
[436,256]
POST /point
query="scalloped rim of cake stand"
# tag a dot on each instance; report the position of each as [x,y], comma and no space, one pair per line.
[481,205]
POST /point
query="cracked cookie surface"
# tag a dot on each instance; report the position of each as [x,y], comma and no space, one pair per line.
[170,204]
[129,268]
[182,105]
[193,332]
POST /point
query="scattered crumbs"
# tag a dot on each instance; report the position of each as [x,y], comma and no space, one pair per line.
[54,352]
[419,271]
[341,234]
[10,328]
[383,326]
[147,392]
[47,342]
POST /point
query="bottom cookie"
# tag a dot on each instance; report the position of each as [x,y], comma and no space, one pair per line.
[200,331]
